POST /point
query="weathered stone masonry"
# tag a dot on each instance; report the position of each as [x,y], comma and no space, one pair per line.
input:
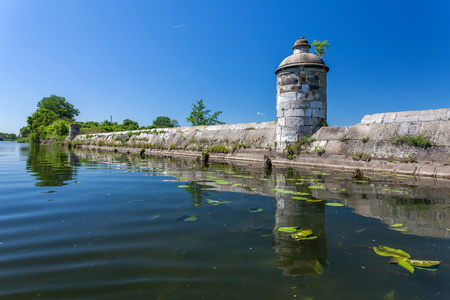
[301,94]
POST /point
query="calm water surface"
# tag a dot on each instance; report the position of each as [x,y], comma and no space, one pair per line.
[78,224]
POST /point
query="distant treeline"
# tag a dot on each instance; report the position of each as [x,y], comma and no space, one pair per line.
[54,114]
[8,136]
[127,125]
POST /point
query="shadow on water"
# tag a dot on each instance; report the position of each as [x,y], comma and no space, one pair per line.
[52,165]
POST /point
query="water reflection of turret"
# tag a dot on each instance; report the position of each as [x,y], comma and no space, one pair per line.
[299,258]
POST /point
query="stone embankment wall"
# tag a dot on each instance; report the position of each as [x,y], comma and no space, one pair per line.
[192,140]
[374,137]
[368,146]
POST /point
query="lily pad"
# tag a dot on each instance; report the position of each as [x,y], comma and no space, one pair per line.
[255,209]
[396,225]
[304,234]
[188,218]
[183,186]
[216,202]
[299,198]
[334,204]
[387,251]
[301,233]
[417,262]
[391,190]
[181,178]
[404,228]
[264,179]
[316,187]
[404,264]
[289,229]
[314,200]
[220,181]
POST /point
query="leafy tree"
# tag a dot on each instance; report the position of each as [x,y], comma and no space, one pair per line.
[321,47]
[107,126]
[200,116]
[58,128]
[24,131]
[130,125]
[165,122]
[38,121]
[59,106]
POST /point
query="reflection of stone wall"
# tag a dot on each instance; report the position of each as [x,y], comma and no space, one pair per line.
[421,204]
[424,210]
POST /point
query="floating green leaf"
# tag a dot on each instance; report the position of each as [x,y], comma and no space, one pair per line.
[417,262]
[230,172]
[181,178]
[387,251]
[283,191]
[289,229]
[187,218]
[316,200]
[154,217]
[183,186]
[255,210]
[190,219]
[220,181]
[301,233]
[263,179]
[216,202]
[299,183]
[237,184]
[299,198]
[400,229]
[316,187]
[361,181]
[337,177]
[304,234]
[396,225]
[334,204]
[406,266]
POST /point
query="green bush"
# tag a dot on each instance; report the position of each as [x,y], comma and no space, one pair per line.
[218,149]
[418,140]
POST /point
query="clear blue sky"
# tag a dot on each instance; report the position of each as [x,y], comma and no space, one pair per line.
[143,59]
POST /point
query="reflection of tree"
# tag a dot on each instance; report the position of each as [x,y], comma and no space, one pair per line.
[50,165]
[197,192]
[299,258]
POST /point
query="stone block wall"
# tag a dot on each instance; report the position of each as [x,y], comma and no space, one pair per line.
[442,114]
[378,132]
[194,138]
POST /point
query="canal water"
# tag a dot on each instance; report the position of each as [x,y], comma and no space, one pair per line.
[84,224]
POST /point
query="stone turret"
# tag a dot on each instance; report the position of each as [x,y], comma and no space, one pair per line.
[301,94]
[74,130]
